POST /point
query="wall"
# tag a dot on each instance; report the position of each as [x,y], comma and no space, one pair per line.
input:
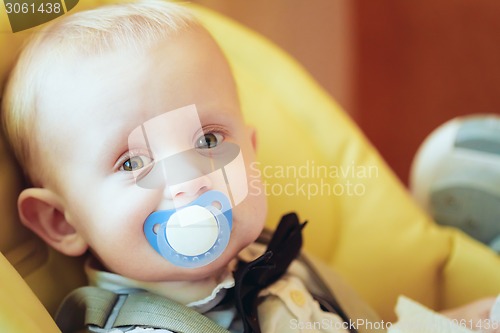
[399,68]
[420,63]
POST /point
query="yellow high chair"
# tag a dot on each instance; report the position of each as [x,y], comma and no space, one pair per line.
[314,161]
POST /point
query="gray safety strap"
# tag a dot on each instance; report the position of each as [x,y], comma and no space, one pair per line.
[102,310]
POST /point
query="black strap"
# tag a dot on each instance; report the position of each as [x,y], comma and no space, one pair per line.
[284,246]
[251,278]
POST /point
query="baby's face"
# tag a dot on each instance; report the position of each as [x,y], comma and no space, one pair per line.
[86,132]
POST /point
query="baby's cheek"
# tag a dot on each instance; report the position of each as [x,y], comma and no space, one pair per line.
[128,215]
[249,219]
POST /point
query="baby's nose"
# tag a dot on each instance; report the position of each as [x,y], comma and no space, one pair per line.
[189,189]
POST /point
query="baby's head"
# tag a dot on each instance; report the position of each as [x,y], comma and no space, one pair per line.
[94,105]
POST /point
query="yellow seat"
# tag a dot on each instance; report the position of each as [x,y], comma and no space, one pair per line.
[313,160]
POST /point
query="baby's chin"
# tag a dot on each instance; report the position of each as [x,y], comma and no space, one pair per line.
[227,261]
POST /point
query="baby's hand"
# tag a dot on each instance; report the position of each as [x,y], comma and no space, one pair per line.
[482,315]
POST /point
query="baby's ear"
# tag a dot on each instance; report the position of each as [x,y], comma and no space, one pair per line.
[41,211]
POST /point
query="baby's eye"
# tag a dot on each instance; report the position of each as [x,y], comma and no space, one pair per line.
[135,163]
[209,140]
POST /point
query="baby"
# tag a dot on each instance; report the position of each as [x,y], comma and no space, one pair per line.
[127,123]
[120,116]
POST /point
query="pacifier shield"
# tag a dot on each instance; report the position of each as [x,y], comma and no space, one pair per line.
[192,231]
[194,235]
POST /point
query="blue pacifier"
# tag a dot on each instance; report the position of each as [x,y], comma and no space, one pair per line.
[194,235]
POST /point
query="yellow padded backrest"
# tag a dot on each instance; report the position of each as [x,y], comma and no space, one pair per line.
[310,155]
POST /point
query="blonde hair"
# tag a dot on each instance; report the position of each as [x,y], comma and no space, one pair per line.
[136,25]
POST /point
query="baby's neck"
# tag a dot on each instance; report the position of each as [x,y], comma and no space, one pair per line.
[198,294]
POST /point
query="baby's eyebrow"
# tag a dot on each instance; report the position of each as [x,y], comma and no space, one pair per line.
[168,125]
[224,119]
[115,144]
[145,142]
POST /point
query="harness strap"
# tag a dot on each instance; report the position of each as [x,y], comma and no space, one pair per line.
[102,310]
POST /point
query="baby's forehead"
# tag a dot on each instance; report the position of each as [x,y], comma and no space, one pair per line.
[59,51]
[175,66]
